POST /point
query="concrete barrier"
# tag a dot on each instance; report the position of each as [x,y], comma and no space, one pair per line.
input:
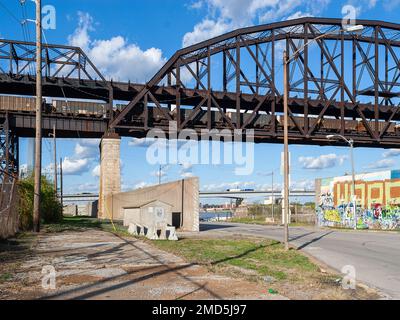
[151,232]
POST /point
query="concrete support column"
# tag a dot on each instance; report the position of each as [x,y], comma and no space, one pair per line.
[110,173]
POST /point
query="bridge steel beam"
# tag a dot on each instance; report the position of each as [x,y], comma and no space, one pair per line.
[362,105]
[346,84]
[9,150]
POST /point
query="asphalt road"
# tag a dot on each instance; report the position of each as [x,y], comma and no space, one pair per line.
[375,255]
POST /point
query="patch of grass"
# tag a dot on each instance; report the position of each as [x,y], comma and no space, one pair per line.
[84,223]
[260,221]
[73,224]
[293,274]
[266,257]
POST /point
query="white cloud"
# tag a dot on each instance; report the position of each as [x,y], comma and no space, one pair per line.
[298,15]
[80,37]
[224,16]
[85,187]
[303,185]
[86,153]
[322,162]
[142,142]
[186,175]
[142,185]
[187,166]
[391,153]
[75,166]
[205,30]
[382,164]
[196,5]
[87,149]
[115,57]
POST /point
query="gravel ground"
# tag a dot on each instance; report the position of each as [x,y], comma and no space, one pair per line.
[94,264]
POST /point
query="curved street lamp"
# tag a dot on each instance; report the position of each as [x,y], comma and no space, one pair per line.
[286,61]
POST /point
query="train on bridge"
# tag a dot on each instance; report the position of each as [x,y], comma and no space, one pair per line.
[61,107]
[156,116]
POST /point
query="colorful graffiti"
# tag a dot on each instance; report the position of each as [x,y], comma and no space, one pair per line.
[376,205]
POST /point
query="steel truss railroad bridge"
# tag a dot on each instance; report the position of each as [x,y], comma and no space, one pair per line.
[345,83]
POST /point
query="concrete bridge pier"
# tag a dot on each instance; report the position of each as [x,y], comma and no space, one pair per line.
[110,171]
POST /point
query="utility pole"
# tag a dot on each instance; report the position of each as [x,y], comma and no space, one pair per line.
[55,159]
[61,184]
[38,138]
[286,150]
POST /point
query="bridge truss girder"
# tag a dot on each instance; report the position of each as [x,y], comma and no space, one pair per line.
[347,84]
[9,146]
[62,66]
[239,76]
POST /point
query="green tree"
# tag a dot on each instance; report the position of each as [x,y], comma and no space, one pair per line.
[50,211]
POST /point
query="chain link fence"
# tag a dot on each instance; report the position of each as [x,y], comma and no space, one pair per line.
[302,214]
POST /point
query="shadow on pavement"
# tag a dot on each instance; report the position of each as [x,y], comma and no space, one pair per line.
[92,290]
[208,227]
[314,240]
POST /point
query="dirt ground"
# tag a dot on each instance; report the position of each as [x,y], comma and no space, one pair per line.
[94,264]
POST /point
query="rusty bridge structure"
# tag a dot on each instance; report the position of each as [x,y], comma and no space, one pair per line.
[345,83]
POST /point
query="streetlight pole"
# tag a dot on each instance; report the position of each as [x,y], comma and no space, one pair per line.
[353,174]
[286,150]
[38,138]
[286,61]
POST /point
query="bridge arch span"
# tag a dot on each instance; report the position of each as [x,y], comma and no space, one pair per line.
[346,83]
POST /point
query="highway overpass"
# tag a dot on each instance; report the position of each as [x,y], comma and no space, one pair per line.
[254,194]
[76,198]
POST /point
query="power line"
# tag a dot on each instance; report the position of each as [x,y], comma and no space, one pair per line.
[26,29]
[9,11]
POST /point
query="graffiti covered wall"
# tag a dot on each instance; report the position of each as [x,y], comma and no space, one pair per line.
[377,201]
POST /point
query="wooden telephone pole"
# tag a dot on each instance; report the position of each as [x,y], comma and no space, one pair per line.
[38,139]
[55,159]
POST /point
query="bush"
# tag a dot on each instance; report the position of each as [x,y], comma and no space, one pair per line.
[50,207]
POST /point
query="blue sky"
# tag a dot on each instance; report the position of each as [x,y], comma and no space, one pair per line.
[147,33]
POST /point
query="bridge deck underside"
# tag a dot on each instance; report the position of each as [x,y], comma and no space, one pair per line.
[347,83]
